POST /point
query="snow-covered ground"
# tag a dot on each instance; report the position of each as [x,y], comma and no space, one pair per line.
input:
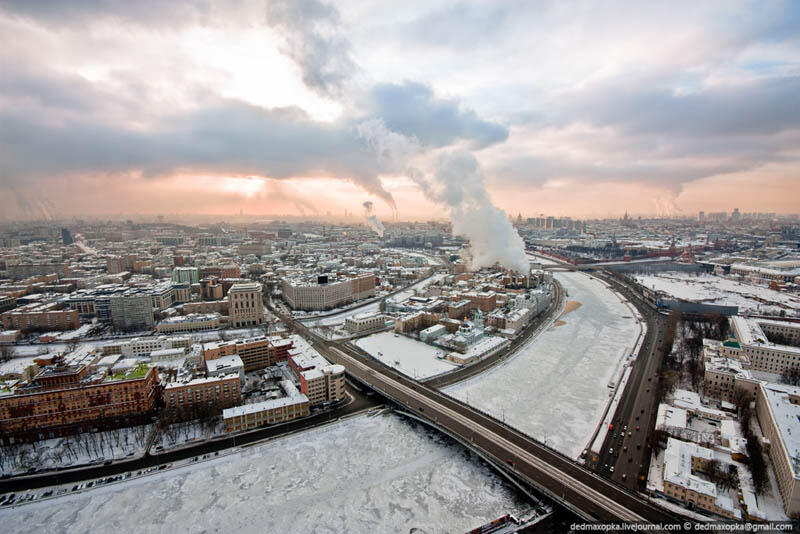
[722,290]
[409,356]
[71,451]
[556,388]
[16,365]
[364,475]
[179,434]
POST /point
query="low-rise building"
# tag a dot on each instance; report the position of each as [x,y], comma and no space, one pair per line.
[189,323]
[249,416]
[364,322]
[682,462]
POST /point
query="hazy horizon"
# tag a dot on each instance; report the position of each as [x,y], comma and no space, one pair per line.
[307,108]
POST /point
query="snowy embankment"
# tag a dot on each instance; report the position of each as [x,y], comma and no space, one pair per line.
[367,474]
[556,388]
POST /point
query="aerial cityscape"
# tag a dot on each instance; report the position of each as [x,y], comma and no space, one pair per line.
[336,266]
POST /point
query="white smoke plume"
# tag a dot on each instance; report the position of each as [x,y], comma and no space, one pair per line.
[371,220]
[458,184]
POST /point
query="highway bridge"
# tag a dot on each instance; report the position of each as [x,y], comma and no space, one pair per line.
[521,457]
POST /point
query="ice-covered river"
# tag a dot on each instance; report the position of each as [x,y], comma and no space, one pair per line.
[556,388]
[364,475]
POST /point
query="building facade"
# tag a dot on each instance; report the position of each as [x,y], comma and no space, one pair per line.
[202,397]
[245,305]
[312,296]
[132,310]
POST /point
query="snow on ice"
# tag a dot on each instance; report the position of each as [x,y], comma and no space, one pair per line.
[556,388]
[367,474]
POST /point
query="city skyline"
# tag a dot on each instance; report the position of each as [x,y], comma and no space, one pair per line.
[310,107]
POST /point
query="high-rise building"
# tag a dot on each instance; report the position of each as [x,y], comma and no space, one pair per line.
[701,216]
[66,236]
[132,310]
[245,305]
[185,274]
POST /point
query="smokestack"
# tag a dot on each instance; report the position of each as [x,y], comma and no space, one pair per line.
[371,220]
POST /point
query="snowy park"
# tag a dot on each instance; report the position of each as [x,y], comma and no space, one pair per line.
[556,388]
[364,475]
[409,356]
[721,290]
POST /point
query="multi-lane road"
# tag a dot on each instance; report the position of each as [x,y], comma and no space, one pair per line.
[625,454]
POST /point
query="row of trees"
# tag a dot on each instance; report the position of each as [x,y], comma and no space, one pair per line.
[755,454]
[74,449]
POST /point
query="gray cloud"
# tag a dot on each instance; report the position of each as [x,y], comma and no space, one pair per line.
[459,25]
[315,41]
[413,110]
[763,106]
[140,12]
[224,137]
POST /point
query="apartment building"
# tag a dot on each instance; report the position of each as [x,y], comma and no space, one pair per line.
[193,398]
[256,353]
[40,317]
[322,294]
[73,394]
[323,384]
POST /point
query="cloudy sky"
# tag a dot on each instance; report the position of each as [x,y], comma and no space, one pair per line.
[309,107]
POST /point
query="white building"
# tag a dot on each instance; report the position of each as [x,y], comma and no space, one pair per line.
[364,322]
[778,411]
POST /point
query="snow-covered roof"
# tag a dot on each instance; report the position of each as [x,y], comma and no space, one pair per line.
[786,415]
[678,466]
[234,361]
[670,416]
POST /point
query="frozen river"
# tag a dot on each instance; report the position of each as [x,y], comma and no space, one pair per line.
[367,474]
[556,388]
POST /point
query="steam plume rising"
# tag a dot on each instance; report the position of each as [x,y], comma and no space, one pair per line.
[371,220]
[458,184]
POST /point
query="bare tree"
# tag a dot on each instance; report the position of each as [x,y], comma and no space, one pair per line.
[7,352]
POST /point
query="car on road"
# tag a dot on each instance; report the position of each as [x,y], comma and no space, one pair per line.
[611,451]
